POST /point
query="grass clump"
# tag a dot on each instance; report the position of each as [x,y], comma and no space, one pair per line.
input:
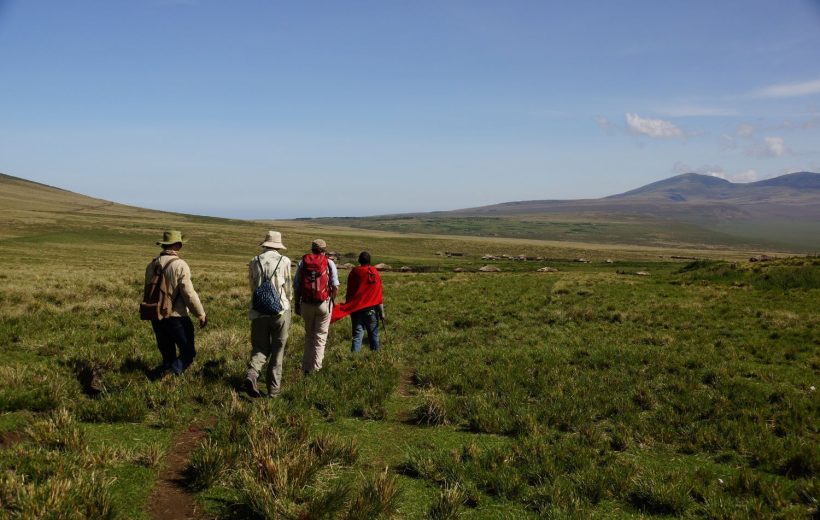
[432,411]
[74,497]
[449,503]
[58,431]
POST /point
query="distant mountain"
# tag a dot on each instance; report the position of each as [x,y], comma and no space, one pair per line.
[691,197]
[691,210]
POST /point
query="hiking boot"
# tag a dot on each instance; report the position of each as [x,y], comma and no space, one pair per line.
[250,386]
[271,392]
[178,367]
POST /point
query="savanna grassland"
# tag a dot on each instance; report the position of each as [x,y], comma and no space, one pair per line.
[591,392]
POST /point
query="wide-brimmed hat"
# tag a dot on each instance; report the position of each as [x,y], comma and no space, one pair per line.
[273,239]
[321,244]
[171,236]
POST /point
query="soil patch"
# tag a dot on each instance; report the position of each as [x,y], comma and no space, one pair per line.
[171,499]
[406,382]
[9,439]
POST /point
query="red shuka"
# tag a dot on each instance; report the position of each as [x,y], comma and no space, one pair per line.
[364,289]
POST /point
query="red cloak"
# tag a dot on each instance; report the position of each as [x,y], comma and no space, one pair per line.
[364,289]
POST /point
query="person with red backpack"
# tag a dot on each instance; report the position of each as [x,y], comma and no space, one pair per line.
[314,286]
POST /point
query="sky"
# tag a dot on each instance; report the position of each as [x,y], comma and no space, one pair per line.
[269,109]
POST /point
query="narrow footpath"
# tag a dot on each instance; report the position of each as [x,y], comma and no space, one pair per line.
[171,499]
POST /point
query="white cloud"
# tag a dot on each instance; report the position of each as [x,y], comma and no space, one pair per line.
[769,147]
[717,171]
[744,176]
[775,146]
[604,124]
[727,142]
[652,127]
[789,90]
[695,111]
[745,130]
[681,167]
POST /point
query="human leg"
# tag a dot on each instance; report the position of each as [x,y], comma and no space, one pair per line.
[317,324]
[371,323]
[309,353]
[181,331]
[260,350]
[322,329]
[165,343]
[280,328]
[358,331]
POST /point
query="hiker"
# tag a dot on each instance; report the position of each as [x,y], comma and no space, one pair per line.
[269,323]
[363,301]
[315,284]
[173,327]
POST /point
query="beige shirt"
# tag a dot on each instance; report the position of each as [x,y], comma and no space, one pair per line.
[178,280]
[280,279]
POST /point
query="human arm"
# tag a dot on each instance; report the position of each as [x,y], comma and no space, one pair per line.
[288,280]
[334,279]
[297,290]
[251,272]
[185,288]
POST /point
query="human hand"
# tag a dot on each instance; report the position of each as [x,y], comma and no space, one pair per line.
[203,321]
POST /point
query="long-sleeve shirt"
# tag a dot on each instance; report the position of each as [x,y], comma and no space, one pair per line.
[180,286]
[280,279]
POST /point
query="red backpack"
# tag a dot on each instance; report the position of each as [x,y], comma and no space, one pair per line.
[315,278]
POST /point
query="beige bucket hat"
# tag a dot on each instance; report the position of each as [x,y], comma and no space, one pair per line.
[171,236]
[273,239]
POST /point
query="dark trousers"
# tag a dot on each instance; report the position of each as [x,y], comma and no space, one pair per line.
[172,333]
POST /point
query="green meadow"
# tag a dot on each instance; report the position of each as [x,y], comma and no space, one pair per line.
[590,392]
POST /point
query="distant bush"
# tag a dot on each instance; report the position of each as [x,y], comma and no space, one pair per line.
[772,275]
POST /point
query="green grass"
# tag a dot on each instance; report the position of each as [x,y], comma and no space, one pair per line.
[591,392]
[635,230]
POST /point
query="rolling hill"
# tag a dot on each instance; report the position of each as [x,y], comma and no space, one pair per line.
[687,211]
[690,209]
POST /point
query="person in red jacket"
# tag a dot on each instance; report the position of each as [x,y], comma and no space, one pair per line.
[363,301]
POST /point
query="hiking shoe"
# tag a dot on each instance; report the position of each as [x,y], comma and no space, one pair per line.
[272,393]
[252,389]
[178,367]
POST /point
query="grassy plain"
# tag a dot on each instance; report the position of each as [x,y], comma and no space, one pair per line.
[591,392]
[604,229]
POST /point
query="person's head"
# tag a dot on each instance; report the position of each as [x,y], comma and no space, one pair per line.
[318,246]
[172,239]
[364,258]
[273,240]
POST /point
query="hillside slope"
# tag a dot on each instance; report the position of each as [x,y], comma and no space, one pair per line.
[690,209]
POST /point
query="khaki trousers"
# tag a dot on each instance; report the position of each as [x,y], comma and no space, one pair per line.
[269,335]
[317,324]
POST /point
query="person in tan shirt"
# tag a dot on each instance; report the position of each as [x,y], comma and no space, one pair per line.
[176,331]
[269,332]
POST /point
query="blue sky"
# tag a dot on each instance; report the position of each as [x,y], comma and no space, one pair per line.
[268,109]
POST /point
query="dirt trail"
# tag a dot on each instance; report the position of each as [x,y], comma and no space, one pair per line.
[406,382]
[405,390]
[170,498]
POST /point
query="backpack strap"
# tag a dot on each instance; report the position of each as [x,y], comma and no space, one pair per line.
[161,271]
[262,268]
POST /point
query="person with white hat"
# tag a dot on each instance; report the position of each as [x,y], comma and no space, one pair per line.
[175,329]
[270,320]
